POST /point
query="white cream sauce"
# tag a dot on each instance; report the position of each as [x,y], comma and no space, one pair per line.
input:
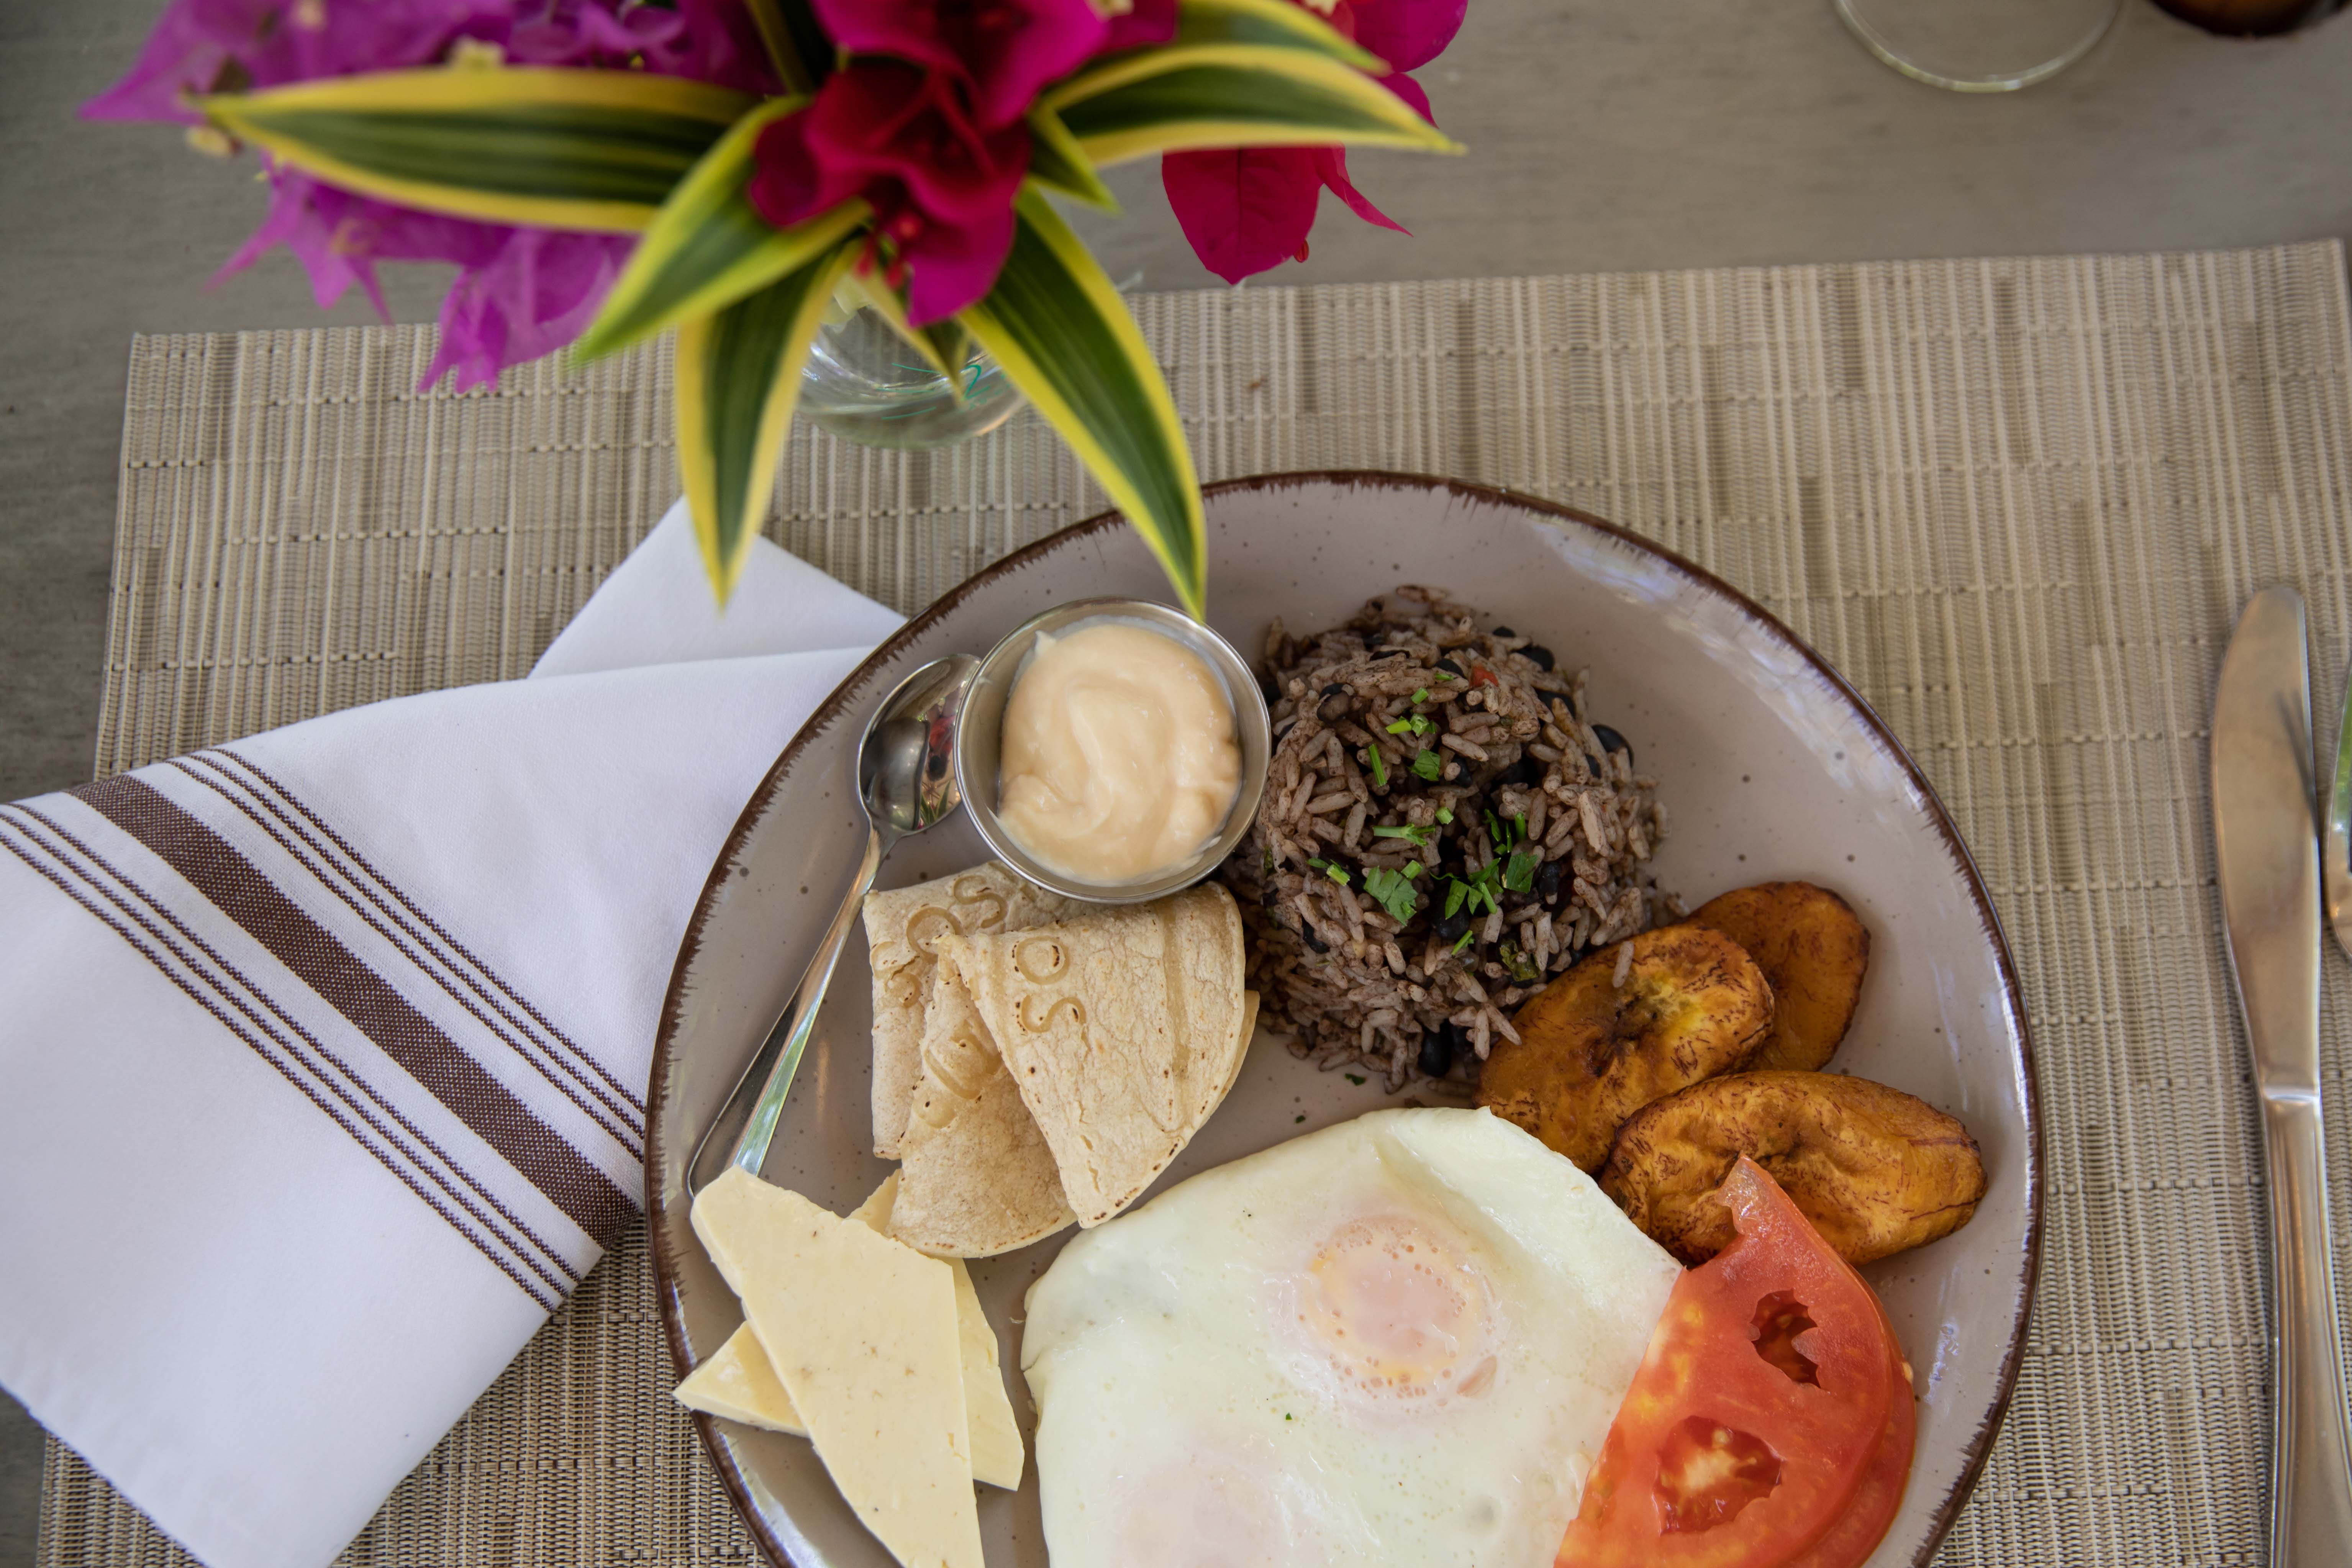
[1119,757]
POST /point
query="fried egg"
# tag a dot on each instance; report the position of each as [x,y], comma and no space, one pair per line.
[1400,1339]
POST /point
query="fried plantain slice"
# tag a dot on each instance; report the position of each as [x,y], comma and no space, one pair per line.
[1877,1171]
[1812,946]
[1592,1052]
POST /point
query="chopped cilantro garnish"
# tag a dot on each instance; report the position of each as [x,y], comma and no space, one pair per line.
[1519,874]
[1337,872]
[1519,965]
[1447,675]
[1520,825]
[1429,766]
[1354,1077]
[1411,724]
[1479,887]
[1497,835]
[1395,891]
[1445,815]
[1465,940]
[1371,756]
[1422,695]
[1417,835]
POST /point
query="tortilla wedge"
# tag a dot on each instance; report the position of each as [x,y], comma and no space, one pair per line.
[978,1178]
[1122,1027]
[903,928]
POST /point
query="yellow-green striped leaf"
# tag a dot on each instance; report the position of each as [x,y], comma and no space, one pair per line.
[739,375]
[708,246]
[1055,159]
[1233,95]
[553,148]
[1057,324]
[1276,23]
[796,43]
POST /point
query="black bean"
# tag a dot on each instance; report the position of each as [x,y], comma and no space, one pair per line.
[1504,632]
[1547,881]
[1337,704]
[1528,771]
[1452,669]
[1306,934]
[1611,741]
[1283,729]
[1436,1054]
[1539,656]
[1389,653]
[1450,929]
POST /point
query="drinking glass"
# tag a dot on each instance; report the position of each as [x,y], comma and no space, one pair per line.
[1980,45]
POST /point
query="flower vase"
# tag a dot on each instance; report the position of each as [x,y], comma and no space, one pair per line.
[864,383]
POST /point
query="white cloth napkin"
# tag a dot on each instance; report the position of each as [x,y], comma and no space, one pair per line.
[323,1054]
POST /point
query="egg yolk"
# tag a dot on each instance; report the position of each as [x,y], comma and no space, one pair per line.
[1401,1314]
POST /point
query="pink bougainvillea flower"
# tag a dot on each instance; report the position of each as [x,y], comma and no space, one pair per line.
[1249,209]
[1143,22]
[1243,209]
[1005,50]
[941,184]
[519,292]
[207,46]
[1407,34]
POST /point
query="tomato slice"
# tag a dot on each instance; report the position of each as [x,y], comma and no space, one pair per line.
[1858,1530]
[1771,1422]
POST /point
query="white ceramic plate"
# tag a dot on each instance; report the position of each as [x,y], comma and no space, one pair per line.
[1770,767]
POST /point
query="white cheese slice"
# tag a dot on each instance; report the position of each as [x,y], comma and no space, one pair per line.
[738,1385]
[873,1213]
[997,1452]
[862,1332]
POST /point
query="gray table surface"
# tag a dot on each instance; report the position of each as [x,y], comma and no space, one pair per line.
[1644,134]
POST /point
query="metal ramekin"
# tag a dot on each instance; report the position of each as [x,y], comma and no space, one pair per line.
[979,734]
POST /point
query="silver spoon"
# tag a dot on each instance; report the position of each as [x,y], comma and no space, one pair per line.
[906,782]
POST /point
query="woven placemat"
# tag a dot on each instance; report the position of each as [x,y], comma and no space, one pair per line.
[2017,502]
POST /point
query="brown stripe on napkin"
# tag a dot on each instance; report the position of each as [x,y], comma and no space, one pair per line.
[214,869]
[633,1096]
[363,1126]
[402,936]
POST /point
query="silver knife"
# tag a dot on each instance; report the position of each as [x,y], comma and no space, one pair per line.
[2266,849]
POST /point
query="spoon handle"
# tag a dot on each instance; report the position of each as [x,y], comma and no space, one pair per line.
[799,1016]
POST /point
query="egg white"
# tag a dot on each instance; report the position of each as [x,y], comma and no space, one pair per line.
[1400,1339]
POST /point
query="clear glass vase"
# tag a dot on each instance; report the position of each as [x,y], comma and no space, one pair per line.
[864,383]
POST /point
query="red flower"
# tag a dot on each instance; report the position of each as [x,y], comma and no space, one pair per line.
[1005,50]
[941,185]
[1247,209]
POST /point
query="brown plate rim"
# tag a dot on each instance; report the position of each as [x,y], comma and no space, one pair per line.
[1979,1447]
